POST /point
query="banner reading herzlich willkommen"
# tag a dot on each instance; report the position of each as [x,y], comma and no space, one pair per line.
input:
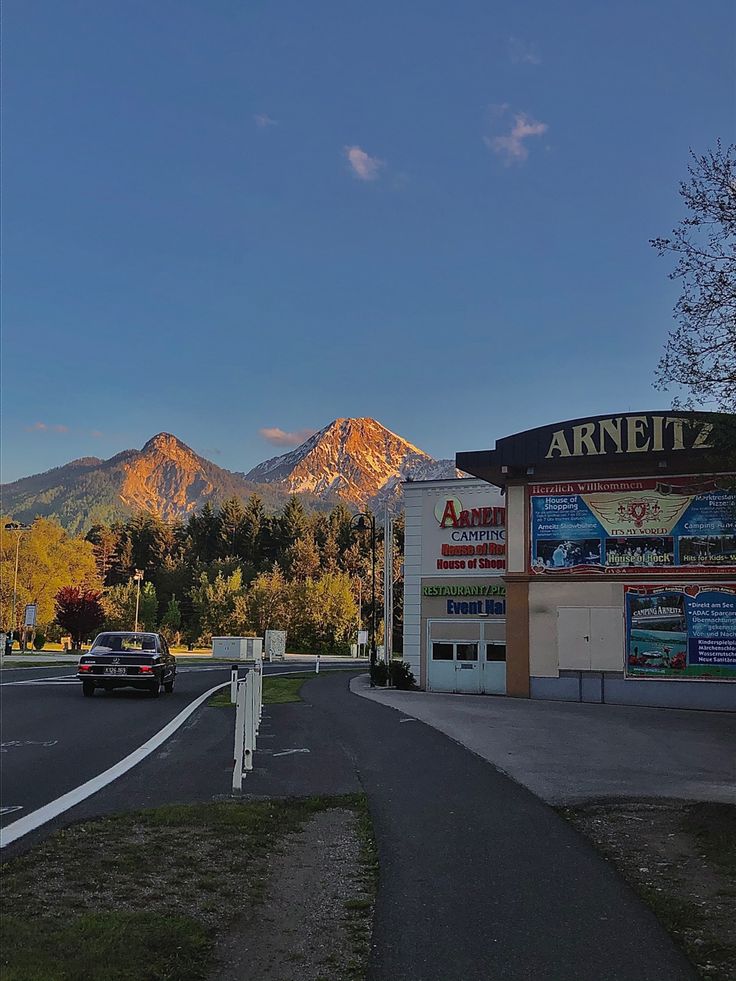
[638,524]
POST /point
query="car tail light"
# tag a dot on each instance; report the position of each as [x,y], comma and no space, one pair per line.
[146,669]
[85,667]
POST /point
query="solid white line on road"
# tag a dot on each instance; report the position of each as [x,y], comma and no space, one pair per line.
[288,752]
[49,811]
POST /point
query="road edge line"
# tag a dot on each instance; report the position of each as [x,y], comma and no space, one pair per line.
[42,815]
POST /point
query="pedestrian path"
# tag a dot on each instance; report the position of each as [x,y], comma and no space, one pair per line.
[479,879]
[567,752]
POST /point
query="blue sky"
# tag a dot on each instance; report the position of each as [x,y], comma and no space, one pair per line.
[232,217]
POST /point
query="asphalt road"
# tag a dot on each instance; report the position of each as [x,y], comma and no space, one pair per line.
[53,739]
[478,877]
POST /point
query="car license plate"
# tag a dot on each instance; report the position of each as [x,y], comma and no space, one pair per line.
[114,670]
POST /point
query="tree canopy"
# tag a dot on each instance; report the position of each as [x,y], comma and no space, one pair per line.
[700,353]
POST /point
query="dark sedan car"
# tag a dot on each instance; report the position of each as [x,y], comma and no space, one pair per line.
[124,659]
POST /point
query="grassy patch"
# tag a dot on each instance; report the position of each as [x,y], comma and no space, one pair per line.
[277,690]
[143,896]
[681,859]
[100,947]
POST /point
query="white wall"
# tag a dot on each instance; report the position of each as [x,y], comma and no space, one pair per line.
[546,597]
[515,529]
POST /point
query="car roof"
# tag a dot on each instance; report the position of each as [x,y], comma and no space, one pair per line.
[128,633]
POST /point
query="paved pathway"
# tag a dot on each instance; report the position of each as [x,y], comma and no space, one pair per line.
[479,878]
[568,751]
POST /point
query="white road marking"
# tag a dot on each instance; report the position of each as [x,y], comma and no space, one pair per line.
[408,720]
[35,681]
[9,809]
[56,807]
[288,752]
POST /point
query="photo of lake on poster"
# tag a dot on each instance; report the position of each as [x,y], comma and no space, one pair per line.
[680,632]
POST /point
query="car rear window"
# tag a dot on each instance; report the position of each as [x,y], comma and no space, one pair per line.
[125,643]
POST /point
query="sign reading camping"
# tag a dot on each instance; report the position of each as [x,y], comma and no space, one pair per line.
[681,632]
[620,526]
[465,533]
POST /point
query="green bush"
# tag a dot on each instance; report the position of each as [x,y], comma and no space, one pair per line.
[379,673]
[397,671]
[38,641]
[402,676]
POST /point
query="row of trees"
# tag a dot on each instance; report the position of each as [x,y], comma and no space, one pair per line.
[230,570]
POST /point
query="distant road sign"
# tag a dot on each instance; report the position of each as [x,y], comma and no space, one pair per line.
[29,619]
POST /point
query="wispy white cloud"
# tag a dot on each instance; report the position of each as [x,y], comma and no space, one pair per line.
[44,427]
[364,166]
[263,120]
[96,433]
[279,437]
[522,52]
[512,146]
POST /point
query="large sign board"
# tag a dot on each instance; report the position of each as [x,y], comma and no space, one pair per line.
[622,526]
[464,532]
[681,632]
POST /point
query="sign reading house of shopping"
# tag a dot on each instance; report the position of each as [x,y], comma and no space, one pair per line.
[470,599]
[681,632]
[620,526]
[465,537]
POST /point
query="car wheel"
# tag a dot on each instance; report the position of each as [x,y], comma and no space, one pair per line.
[155,688]
[169,686]
[88,689]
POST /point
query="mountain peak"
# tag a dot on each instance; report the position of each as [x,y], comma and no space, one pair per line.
[165,443]
[352,459]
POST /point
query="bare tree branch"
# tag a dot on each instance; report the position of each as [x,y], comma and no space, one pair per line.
[700,353]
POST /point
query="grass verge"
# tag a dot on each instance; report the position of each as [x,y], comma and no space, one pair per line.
[680,857]
[144,896]
[277,690]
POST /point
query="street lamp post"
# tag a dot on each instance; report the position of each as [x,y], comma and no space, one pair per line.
[138,577]
[20,528]
[362,521]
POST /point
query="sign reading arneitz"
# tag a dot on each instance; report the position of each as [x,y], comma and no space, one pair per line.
[465,536]
[630,434]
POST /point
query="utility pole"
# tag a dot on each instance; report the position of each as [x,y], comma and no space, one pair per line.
[388,586]
[138,578]
[20,528]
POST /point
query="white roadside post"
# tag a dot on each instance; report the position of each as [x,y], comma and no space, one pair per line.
[233,683]
[250,729]
[240,727]
[316,665]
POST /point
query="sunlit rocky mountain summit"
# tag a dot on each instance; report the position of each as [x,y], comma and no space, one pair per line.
[356,461]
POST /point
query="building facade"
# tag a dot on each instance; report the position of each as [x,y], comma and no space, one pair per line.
[621,559]
[454,592]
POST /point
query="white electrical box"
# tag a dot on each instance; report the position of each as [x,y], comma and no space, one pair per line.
[237,648]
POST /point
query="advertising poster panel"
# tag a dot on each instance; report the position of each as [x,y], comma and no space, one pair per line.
[631,525]
[681,632]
